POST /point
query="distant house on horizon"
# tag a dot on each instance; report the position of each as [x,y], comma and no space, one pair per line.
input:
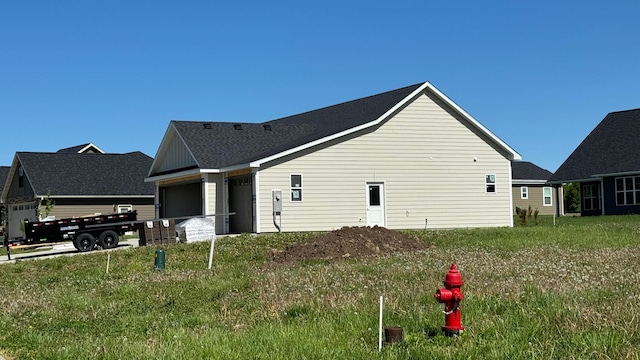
[606,166]
[531,188]
[81,180]
[4,173]
[403,159]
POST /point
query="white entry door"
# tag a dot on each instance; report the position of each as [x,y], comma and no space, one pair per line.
[375,204]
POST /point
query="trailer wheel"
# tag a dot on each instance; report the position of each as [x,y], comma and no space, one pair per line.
[84,242]
[108,239]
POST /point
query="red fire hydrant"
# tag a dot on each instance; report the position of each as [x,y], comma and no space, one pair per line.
[451,296]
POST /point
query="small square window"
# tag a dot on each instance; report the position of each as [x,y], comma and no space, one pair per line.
[296,187]
[490,183]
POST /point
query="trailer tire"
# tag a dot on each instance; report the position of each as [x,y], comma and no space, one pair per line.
[108,239]
[84,242]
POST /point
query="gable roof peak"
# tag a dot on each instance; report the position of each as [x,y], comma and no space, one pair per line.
[88,148]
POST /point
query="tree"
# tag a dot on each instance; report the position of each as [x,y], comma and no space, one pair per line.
[47,207]
[572,197]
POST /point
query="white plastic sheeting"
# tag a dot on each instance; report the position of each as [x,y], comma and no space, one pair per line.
[196,229]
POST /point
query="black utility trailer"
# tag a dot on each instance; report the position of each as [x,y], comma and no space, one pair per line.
[85,232]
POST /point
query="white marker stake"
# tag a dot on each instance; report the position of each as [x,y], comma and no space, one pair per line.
[108,259]
[213,240]
[380,327]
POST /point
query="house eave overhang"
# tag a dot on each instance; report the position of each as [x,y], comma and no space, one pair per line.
[236,167]
[626,173]
[173,175]
[591,179]
[511,154]
[529,182]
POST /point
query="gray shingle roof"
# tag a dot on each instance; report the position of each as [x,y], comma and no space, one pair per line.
[4,173]
[610,148]
[254,142]
[72,174]
[525,170]
[78,148]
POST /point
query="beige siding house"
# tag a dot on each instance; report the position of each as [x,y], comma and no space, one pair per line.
[531,189]
[405,159]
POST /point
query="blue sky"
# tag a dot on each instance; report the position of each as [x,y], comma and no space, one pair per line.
[539,74]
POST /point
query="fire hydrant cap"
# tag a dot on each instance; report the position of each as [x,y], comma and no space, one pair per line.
[453,278]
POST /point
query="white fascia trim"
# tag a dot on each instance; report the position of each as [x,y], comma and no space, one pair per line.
[476,123]
[163,145]
[532,182]
[258,163]
[173,175]
[90,145]
[513,154]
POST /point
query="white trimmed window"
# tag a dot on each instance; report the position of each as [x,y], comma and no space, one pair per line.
[546,196]
[524,192]
[590,200]
[296,187]
[490,183]
[628,190]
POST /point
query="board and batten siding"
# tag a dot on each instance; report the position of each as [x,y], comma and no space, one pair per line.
[176,155]
[423,155]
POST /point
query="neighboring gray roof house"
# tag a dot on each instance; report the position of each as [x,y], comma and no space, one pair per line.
[528,173]
[607,166]
[4,173]
[82,149]
[78,183]
[530,188]
[317,170]
[72,174]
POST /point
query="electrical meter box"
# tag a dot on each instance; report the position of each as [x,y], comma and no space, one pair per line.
[276,197]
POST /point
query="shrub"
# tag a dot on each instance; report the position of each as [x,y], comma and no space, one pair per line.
[523,216]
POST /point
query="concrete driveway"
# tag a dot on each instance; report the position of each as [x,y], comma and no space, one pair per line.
[59,250]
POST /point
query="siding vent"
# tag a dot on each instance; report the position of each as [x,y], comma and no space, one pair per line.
[266,127]
[237,126]
[207,125]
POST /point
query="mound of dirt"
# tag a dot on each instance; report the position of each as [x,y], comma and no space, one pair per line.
[351,242]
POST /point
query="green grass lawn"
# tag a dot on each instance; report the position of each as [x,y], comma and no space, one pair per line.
[569,290]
